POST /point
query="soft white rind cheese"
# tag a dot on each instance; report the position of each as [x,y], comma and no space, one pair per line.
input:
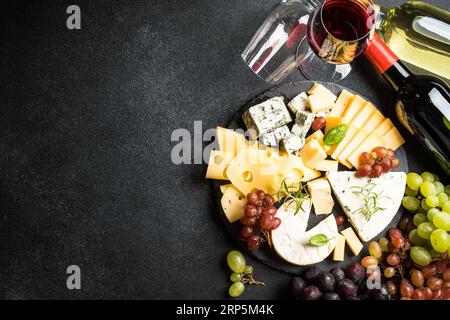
[389,186]
[291,241]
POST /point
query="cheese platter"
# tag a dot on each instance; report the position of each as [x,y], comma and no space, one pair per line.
[313,136]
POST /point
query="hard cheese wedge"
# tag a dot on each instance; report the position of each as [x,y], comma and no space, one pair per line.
[230,141]
[318,135]
[291,241]
[217,165]
[312,153]
[224,187]
[327,165]
[352,240]
[233,203]
[388,188]
[339,250]
[321,198]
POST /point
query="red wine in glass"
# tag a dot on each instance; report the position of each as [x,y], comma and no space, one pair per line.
[339,31]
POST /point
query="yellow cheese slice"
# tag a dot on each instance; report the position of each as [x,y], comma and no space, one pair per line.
[353,108]
[327,165]
[292,168]
[375,119]
[341,103]
[217,164]
[352,131]
[320,102]
[383,127]
[224,187]
[332,121]
[233,203]
[352,240]
[393,139]
[362,115]
[318,89]
[367,145]
[230,141]
[318,135]
[357,140]
[312,153]
[339,249]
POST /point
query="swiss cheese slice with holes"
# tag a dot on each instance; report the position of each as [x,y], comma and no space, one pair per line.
[291,240]
[233,204]
[231,141]
[217,165]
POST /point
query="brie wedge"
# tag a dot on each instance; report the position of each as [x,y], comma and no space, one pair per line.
[291,240]
[368,218]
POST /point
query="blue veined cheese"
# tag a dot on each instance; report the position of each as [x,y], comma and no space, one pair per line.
[303,121]
[299,103]
[389,188]
[292,144]
[266,117]
[273,138]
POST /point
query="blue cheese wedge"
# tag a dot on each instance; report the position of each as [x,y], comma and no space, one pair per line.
[303,122]
[291,240]
[266,117]
[299,103]
[368,218]
[292,144]
[273,138]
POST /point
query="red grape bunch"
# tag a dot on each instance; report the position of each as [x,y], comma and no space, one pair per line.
[380,160]
[259,218]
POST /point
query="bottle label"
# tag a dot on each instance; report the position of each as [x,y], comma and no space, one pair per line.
[403,117]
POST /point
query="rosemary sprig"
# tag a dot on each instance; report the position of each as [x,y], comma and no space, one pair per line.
[370,198]
[294,193]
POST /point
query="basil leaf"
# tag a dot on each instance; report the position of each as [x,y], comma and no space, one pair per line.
[319,240]
[335,135]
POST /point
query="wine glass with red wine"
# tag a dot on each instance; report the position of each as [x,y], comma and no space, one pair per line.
[337,32]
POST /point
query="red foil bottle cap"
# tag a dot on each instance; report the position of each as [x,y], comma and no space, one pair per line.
[379,54]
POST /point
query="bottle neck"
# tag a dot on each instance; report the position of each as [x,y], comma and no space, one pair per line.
[386,62]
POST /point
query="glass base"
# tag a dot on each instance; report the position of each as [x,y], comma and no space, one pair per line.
[315,69]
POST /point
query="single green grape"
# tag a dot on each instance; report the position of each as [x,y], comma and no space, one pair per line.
[447,189]
[427,176]
[439,187]
[442,198]
[431,213]
[384,244]
[236,261]
[446,206]
[439,240]
[236,289]
[248,269]
[442,221]
[425,229]
[416,239]
[413,180]
[420,255]
[436,177]
[235,277]
[411,203]
[427,189]
[432,201]
[424,205]
[410,192]
[419,218]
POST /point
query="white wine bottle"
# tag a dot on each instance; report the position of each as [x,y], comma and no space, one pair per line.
[419,34]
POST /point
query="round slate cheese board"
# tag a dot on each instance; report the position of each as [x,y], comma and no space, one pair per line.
[266,254]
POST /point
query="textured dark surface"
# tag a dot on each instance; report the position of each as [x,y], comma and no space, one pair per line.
[86,119]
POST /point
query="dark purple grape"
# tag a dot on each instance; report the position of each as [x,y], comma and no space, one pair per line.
[331,296]
[311,274]
[378,294]
[338,274]
[354,298]
[346,288]
[355,272]
[325,281]
[312,293]
[297,285]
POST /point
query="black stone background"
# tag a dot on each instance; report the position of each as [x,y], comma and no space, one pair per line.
[85,142]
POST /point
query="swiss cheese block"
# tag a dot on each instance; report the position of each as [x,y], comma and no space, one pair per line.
[230,141]
[217,165]
[352,240]
[353,107]
[383,127]
[341,103]
[253,168]
[357,140]
[321,198]
[318,89]
[367,145]
[233,203]
[332,121]
[339,250]
[224,187]
[327,165]
[393,139]
[320,102]
[312,153]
